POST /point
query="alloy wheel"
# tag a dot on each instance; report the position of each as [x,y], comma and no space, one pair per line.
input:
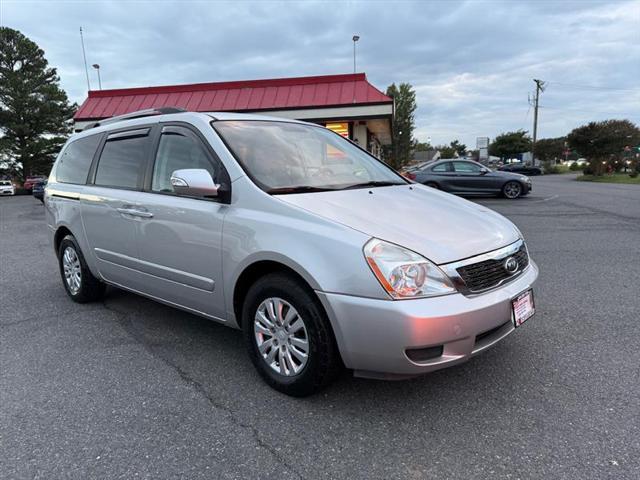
[72,269]
[512,190]
[281,336]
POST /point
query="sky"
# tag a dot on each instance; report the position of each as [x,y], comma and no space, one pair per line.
[471,63]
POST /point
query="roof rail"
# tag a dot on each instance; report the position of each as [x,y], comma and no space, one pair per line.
[139,114]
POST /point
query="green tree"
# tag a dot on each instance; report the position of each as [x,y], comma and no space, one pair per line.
[603,143]
[453,150]
[446,151]
[548,149]
[509,144]
[460,148]
[404,97]
[422,146]
[34,110]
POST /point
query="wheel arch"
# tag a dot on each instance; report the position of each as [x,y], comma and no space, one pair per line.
[60,233]
[256,270]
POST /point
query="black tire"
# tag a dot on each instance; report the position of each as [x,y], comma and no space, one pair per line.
[432,185]
[90,288]
[512,190]
[323,362]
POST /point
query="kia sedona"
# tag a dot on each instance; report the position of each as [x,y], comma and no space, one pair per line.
[320,253]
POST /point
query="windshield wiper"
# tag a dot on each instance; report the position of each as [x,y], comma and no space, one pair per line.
[298,189]
[372,184]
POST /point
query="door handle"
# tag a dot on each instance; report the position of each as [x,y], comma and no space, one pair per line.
[127,210]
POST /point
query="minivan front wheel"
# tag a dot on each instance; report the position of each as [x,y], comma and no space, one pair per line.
[78,281]
[288,336]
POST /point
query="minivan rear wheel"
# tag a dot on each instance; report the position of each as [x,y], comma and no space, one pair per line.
[288,336]
[78,281]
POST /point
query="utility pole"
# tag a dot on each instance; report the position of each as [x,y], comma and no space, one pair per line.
[539,88]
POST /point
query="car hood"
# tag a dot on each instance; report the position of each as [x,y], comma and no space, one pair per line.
[440,226]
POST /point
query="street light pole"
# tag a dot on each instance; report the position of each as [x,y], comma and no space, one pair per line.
[355,39]
[97,67]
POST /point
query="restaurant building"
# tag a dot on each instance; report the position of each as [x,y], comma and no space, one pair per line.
[347,104]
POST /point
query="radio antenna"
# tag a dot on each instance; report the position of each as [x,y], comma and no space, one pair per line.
[84,56]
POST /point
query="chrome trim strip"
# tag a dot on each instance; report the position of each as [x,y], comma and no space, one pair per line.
[451,269]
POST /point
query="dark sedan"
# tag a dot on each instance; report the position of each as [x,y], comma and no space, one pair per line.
[465,177]
[521,168]
[38,190]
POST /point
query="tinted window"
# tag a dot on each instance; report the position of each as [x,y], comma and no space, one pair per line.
[466,167]
[177,151]
[442,167]
[74,163]
[121,162]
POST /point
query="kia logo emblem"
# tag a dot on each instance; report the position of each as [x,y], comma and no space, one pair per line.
[510,265]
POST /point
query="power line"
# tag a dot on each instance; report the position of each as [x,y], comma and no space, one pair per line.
[593,87]
[578,110]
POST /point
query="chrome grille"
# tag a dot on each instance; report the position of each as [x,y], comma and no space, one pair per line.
[484,275]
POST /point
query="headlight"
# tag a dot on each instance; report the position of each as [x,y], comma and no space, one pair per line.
[403,273]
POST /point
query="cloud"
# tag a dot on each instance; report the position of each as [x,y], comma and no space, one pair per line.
[471,62]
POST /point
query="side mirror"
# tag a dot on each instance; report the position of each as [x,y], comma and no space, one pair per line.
[194,182]
[483,171]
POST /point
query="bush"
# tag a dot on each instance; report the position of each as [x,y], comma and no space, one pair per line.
[587,170]
[574,167]
[634,174]
[549,168]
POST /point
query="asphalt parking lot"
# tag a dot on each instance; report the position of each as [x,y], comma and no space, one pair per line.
[130,388]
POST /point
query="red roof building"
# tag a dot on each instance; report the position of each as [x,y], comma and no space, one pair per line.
[348,103]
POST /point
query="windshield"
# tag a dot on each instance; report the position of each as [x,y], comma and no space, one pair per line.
[4,182]
[284,157]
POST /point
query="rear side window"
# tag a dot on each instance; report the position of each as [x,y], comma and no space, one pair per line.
[122,160]
[73,166]
[466,167]
[443,167]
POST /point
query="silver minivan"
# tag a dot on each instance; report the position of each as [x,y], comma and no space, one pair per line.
[324,256]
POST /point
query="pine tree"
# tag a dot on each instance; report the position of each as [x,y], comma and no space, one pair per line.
[404,98]
[34,111]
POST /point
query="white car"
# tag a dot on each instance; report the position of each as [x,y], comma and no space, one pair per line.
[6,188]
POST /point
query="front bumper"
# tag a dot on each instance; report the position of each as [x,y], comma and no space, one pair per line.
[374,335]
